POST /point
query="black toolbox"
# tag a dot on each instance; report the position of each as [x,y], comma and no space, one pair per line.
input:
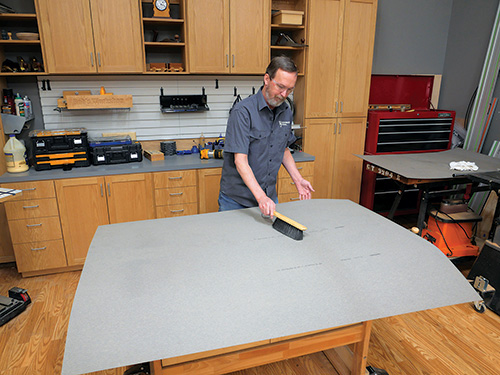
[115,151]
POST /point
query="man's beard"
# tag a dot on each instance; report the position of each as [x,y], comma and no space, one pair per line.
[275,102]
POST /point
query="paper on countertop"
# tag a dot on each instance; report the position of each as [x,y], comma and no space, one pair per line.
[463,165]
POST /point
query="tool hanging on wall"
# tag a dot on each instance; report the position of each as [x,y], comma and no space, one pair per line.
[238,99]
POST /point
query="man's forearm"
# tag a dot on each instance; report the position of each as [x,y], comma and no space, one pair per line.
[246,173]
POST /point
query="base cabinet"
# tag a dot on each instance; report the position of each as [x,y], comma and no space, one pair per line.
[208,188]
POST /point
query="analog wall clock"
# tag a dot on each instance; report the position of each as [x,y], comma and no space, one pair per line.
[161,8]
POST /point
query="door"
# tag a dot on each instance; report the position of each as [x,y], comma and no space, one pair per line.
[208,189]
[357,56]
[249,36]
[348,168]
[67,37]
[208,35]
[322,78]
[117,36]
[130,197]
[319,140]
[82,208]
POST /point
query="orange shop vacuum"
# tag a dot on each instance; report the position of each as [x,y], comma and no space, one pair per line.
[450,229]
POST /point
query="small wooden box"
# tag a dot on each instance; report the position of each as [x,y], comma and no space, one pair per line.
[154,155]
[288,17]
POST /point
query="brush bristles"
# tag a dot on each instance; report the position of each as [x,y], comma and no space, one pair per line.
[288,229]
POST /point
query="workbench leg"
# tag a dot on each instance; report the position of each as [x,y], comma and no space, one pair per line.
[395,204]
[422,212]
[361,351]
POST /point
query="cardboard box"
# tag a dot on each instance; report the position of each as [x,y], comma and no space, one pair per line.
[288,17]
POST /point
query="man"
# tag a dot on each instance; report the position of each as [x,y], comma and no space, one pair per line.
[259,131]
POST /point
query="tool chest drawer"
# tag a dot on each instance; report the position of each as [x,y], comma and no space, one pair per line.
[180,195]
[176,210]
[34,230]
[31,208]
[32,190]
[174,179]
[37,256]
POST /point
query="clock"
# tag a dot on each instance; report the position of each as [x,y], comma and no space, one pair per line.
[161,8]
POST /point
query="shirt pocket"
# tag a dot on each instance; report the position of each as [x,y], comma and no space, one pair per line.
[259,135]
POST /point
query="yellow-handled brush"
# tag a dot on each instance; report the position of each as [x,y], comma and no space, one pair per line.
[288,227]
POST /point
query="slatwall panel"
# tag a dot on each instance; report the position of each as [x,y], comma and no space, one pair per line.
[145,117]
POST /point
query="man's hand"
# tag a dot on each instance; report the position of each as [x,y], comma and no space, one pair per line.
[267,206]
[305,189]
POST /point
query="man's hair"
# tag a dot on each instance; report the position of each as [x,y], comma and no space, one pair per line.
[281,62]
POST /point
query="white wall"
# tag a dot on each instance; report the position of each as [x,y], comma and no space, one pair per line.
[145,117]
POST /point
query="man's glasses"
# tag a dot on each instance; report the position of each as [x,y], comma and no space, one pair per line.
[283,88]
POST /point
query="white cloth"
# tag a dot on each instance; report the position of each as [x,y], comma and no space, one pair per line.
[463,166]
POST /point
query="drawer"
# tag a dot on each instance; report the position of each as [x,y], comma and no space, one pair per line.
[181,195]
[35,230]
[286,185]
[306,168]
[176,210]
[174,179]
[31,208]
[288,197]
[32,190]
[36,256]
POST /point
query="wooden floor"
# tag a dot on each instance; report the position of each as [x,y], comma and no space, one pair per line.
[450,340]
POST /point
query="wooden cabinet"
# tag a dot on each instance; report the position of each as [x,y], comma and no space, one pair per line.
[35,228]
[228,36]
[91,36]
[287,192]
[341,36]
[85,203]
[175,193]
[208,188]
[334,142]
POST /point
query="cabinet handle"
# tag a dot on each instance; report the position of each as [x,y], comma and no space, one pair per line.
[30,189]
[109,190]
[92,58]
[295,199]
[336,107]
[173,194]
[341,107]
[227,60]
[99,58]
[340,127]
[299,168]
[38,248]
[233,61]
[175,178]
[292,183]
[102,191]
[175,211]
[35,206]
[335,128]
[33,225]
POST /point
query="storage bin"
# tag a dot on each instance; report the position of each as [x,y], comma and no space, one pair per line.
[288,17]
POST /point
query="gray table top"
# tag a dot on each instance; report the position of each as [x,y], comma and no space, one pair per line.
[431,165]
[170,163]
[168,287]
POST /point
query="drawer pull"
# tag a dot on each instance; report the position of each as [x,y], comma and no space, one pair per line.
[299,168]
[38,248]
[33,225]
[292,183]
[30,189]
[35,206]
[175,211]
[295,199]
[175,178]
[173,194]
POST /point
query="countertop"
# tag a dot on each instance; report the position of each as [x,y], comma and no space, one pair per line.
[170,163]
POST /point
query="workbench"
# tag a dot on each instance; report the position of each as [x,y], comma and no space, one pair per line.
[180,292]
[430,172]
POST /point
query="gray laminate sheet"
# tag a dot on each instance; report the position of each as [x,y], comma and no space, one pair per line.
[431,165]
[169,287]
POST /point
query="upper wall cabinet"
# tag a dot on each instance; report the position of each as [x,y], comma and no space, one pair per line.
[228,36]
[341,35]
[91,36]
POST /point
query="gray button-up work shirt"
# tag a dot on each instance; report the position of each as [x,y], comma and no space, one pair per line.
[262,134]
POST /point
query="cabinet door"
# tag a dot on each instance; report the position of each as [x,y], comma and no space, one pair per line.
[208,189]
[130,197]
[357,56]
[249,38]
[208,35]
[82,208]
[319,140]
[348,168]
[66,34]
[117,36]
[322,77]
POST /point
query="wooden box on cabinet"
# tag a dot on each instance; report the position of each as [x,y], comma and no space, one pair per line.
[175,193]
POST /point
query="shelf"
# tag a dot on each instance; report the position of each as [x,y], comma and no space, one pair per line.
[164,44]
[164,73]
[287,27]
[17,17]
[13,124]
[153,20]
[6,74]
[19,42]
[288,48]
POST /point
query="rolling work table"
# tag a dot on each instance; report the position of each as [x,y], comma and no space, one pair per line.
[430,172]
[220,292]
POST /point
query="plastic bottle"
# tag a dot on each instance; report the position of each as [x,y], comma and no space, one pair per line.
[19,102]
[28,110]
[6,108]
[15,155]
[10,100]
[202,141]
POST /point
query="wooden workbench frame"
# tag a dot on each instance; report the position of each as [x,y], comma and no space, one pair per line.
[222,361]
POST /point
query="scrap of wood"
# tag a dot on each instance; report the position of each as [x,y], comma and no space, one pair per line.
[98,101]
